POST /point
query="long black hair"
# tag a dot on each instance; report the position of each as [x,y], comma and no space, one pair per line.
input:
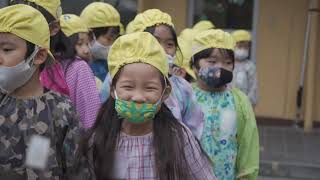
[63,47]
[169,139]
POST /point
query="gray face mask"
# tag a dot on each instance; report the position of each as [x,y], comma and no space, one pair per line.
[241,54]
[99,51]
[14,77]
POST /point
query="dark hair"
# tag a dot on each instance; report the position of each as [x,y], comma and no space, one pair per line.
[207,53]
[43,11]
[100,31]
[188,78]
[63,47]
[170,160]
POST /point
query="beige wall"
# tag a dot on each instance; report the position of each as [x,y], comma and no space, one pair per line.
[176,8]
[280,40]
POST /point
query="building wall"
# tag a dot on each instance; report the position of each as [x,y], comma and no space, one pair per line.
[177,9]
[280,41]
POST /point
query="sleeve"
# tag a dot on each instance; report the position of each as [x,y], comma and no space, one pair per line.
[253,84]
[83,92]
[105,90]
[191,113]
[247,163]
[98,83]
[198,162]
[68,134]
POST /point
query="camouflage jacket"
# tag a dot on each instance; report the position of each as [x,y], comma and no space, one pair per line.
[51,116]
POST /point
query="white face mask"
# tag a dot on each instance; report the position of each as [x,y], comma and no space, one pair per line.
[241,54]
[99,51]
[14,77]
[170,58]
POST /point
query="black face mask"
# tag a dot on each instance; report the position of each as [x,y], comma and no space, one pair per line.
[215,77]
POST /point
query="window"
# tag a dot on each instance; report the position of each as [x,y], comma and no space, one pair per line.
[225,14]
[126,8]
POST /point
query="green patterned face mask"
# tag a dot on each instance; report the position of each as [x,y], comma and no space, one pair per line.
[136,112]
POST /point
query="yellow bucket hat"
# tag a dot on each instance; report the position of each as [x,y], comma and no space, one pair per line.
[71,24]
[203,25]
[150,18]
[122,32]
[99,14]
[129,28]
[241,35]
[212,39]
[139,47]
[27,23]
[188,34]
[186,49]
[52,6]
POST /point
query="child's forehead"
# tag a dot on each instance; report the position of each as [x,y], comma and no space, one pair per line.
[9,38]
[142,70]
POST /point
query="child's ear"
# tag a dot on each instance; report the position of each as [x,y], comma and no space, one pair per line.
[167,92]
[41,56]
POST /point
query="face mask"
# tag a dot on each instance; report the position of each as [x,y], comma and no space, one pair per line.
[99,51]
[136,112]
[241,54]
[170,58]
[215,77]
[14,77]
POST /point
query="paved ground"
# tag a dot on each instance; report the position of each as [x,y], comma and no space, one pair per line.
[288,152]
[273,178]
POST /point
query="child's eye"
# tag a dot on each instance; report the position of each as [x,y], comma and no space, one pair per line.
[127,87]
[151,88]
[7,49]
[211,61]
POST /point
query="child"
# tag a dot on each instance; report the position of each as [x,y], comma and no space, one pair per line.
[181,101]
[245,76]
[135,135]
[72,50]
[51,10]
[230,135]
[38,127]
[104,23]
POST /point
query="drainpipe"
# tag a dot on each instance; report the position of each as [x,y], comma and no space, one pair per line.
[311,64]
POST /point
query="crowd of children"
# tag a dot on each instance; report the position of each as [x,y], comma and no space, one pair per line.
[81,99]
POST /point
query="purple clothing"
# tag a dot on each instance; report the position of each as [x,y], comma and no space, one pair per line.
[83,91]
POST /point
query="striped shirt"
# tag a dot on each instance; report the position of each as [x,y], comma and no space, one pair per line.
[83,91]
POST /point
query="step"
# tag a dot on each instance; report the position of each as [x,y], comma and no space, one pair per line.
[301,171]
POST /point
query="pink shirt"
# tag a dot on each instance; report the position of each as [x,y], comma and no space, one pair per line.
[83,91]
[53,78]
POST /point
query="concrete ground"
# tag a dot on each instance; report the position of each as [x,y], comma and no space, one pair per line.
[288,152]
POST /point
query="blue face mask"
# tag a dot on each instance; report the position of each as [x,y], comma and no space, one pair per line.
[215,77]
